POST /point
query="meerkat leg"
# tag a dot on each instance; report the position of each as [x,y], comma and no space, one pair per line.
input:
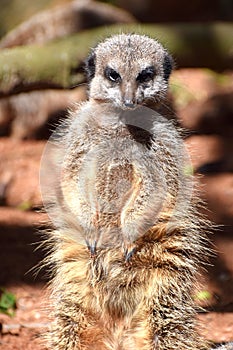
[74,328]
[174,328]
[172,315]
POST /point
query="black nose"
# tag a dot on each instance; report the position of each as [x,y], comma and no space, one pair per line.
[129,103]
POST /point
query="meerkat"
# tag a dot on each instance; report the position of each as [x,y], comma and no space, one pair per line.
[126,245]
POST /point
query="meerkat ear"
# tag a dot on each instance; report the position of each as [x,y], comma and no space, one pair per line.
[168,65]
[90,65]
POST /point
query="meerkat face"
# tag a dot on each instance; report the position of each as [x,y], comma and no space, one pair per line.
[128,69]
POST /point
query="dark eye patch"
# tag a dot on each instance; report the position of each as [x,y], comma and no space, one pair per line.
[112,75]
[167,66]
[146,75]
[90,66]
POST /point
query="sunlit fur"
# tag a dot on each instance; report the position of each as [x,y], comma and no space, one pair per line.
[104,298]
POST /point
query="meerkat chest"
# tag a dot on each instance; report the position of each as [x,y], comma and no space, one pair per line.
[105,167]
[103,147]
[108,159]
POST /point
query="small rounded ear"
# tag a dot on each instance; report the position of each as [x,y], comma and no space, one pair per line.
[90,66]
[168,65]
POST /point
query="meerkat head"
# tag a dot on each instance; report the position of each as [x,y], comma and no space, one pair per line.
[128,70]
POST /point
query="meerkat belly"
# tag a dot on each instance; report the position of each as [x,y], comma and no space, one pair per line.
[115,183]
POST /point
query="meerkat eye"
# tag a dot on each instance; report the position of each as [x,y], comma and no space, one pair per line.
[112,75]
[146,75]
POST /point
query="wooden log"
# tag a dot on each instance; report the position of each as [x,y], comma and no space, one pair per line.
[58,64]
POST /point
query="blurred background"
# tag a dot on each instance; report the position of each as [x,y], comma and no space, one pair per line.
[43,45]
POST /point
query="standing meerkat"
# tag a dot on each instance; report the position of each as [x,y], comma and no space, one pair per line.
[126,244]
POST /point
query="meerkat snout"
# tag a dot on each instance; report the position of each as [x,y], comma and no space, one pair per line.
[128,70]
[128,95]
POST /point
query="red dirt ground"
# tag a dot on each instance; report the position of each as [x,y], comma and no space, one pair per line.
[19,166]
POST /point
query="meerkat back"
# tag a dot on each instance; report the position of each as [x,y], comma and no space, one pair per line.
[126,243]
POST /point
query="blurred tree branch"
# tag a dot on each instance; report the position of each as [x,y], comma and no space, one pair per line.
[58,64]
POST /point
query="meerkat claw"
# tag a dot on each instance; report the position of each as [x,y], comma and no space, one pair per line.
[92,248]
[129,252]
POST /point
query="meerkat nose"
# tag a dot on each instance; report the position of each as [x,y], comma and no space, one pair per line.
[129,103]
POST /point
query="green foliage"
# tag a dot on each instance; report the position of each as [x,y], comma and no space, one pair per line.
[181,94]
[24,206]
[221,79]
[203,295]
[7,302]
[188,170]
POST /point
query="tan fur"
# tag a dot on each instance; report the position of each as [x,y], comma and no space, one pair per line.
[124,253]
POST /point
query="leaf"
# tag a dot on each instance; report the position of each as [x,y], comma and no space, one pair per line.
[24,206]
[7,302]
[203,295]
[188,170]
